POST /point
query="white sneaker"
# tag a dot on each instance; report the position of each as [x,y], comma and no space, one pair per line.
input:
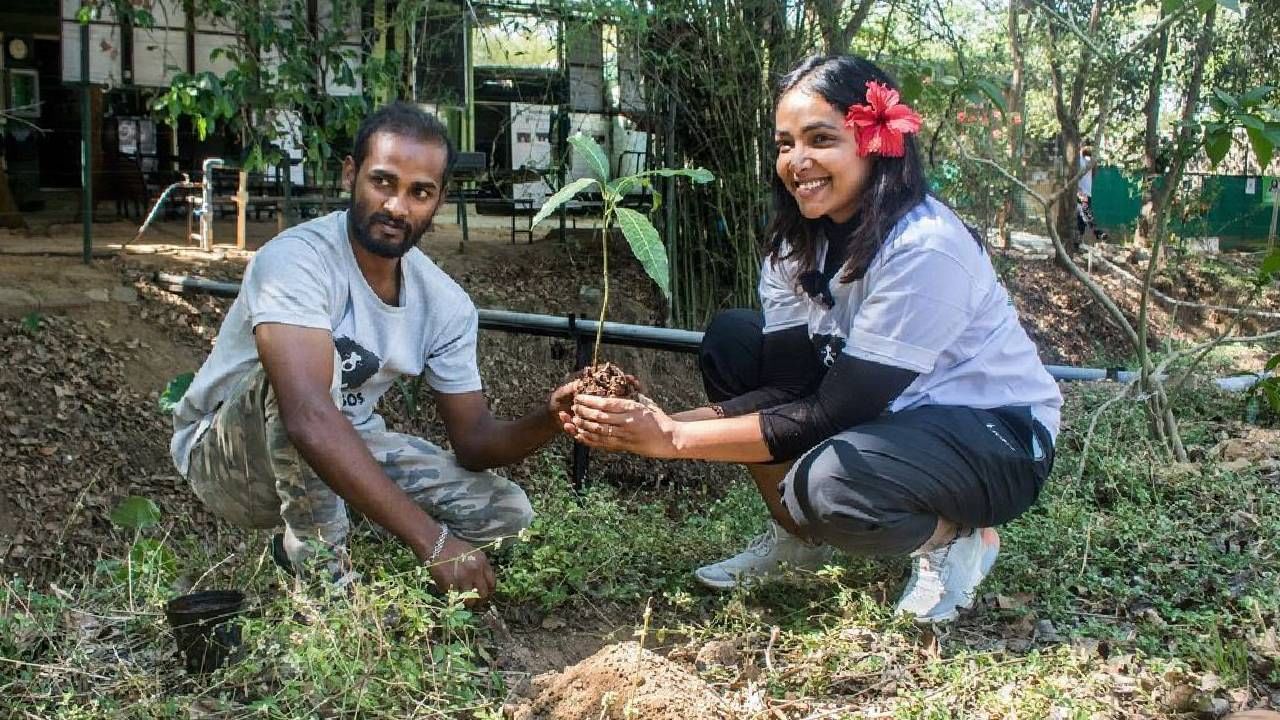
[765,558]
[945,580]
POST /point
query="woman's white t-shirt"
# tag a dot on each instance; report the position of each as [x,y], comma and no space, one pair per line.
[930,302]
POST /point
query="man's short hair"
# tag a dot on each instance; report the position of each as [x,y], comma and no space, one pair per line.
[405,119]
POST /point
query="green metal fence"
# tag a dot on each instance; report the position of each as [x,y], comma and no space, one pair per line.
[1232,207]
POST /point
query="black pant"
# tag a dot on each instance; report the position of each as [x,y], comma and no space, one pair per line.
[879,488]
[1084,218]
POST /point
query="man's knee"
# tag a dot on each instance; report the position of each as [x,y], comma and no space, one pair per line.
[833,495]
[498,514]
[230,484]
[255,511]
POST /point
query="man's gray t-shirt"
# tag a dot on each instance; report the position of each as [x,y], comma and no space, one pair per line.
[929,302]
[307,276]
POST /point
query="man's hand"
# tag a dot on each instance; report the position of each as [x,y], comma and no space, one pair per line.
[561,399]
[462,567]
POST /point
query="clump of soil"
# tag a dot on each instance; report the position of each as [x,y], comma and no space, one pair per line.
[607,380]
[621,681]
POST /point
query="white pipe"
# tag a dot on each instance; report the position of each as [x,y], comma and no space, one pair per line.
[206,202]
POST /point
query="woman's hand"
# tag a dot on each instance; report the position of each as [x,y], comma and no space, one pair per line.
[641,428]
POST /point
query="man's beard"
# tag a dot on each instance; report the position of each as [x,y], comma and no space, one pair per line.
[362,229]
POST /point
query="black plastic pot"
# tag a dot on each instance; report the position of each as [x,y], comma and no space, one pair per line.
[204,627]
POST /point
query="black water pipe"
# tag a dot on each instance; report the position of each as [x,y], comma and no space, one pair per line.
[568,327]
[572,328]
[583,332]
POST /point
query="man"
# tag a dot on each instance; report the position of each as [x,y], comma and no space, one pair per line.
[1084,197]
[279,425]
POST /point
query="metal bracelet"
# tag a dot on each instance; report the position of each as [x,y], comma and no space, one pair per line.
[435,551]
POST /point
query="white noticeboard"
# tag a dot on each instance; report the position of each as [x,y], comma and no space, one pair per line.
[531,136]
[158,55]
[530,142]
[205,44]
[160,52]
[169,13]
[288,125]
[630,81]
[630,149]
[351,59]
[104,53]
[1251,186]
[586,88]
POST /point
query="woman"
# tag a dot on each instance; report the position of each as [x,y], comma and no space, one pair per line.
[886,401]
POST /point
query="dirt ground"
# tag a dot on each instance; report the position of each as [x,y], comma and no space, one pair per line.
[90,348]
[93,347]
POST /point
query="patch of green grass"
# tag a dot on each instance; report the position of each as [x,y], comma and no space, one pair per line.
[32,322]
[391,648]
[1151,575]
[604,546]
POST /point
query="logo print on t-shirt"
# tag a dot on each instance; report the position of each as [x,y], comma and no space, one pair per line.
[358,364]
[828,348]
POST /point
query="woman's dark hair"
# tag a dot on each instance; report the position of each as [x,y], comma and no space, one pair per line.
[894,187]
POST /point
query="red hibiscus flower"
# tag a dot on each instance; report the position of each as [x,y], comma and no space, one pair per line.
[882,122]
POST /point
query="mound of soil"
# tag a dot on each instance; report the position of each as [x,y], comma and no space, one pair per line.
[607,380]
[621,681]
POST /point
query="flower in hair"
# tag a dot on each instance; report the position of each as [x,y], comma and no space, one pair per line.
[882,122]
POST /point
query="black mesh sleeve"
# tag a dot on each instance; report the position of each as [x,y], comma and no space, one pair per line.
[789,370]
[853,391]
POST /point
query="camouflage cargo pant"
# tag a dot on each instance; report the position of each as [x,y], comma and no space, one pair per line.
[245,470]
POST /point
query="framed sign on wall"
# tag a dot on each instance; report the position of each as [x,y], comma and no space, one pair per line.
[24,93]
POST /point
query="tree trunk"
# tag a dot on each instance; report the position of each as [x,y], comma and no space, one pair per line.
[1068,110]
[836,38]
[1153,198]
[1013,122]
[1064,220]
[1153,219]
[1160,413]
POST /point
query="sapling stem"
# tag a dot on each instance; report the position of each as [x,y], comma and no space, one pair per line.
[604,295]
